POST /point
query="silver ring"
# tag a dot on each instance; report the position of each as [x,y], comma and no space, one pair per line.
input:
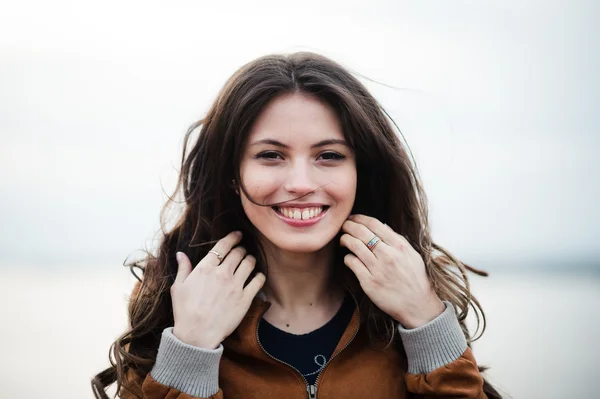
[212,251]
[373,243]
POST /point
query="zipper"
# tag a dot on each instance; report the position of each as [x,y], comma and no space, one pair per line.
[340,351]
[310,389]
[280,361]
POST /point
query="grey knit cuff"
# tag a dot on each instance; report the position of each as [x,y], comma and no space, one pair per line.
[435,344]
[187,368]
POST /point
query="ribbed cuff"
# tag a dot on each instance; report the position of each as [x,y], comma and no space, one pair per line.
[435,344]
[187,368]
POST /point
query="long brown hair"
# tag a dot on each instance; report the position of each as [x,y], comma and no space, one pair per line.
[210,208]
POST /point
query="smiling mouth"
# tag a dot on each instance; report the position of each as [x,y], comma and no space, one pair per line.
[300,213]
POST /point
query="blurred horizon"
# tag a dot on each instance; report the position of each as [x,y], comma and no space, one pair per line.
[493,265]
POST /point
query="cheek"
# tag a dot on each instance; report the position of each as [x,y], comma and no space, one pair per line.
[346,186]
[260,185]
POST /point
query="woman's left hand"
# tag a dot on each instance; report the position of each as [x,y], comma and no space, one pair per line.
[393,274]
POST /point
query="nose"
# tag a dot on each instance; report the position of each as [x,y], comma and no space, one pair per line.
[300,179]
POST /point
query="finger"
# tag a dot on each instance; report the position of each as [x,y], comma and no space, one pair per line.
[385,232]
[223,246]
[244,269]
[358,268]
[359,249]
[254,286]
[358,230]
[184,267]
[233,259]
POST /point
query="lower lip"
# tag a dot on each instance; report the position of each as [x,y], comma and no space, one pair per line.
[301,223]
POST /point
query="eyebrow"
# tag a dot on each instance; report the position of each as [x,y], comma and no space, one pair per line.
[319,144]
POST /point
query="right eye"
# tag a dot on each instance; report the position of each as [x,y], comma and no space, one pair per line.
[268,155]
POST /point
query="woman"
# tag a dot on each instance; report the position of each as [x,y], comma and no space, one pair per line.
[302,264]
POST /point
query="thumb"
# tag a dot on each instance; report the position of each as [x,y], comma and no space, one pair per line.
[184,267]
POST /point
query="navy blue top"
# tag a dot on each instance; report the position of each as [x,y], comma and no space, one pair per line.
[307,353]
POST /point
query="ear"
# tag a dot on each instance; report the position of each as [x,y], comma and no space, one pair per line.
[234,186]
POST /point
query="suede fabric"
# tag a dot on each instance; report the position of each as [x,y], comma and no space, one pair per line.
[356,370]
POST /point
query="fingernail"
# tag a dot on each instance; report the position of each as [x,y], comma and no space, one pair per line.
[178,256]
[238,233]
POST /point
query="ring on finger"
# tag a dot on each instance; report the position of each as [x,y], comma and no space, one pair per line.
[218,254]
[373,243]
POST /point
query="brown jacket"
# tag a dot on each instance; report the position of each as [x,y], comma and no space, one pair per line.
[433,362]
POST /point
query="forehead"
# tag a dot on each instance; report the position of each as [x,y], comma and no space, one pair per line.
[296,119]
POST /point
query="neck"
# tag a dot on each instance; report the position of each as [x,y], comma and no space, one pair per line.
[298,281]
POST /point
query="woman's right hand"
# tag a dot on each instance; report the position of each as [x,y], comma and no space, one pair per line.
[210,301]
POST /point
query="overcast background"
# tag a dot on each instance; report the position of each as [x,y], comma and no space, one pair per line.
[501,112]
[497,100]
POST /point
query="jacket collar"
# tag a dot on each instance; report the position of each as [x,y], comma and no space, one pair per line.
[244,340]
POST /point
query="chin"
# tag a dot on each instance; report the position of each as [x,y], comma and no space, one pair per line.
[296,242]
[299,246]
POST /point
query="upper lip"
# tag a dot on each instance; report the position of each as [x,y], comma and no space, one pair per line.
[300,206]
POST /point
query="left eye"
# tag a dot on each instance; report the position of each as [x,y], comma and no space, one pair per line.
[332,156]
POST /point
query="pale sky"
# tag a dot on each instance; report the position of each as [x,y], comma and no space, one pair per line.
[498,103]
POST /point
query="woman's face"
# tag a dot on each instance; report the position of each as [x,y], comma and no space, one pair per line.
[297,146]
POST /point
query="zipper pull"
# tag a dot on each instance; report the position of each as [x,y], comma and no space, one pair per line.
[312,391]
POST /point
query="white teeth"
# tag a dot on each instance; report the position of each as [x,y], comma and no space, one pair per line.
[300,214]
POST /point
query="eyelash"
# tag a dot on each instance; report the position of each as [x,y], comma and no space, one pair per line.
[337,156]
